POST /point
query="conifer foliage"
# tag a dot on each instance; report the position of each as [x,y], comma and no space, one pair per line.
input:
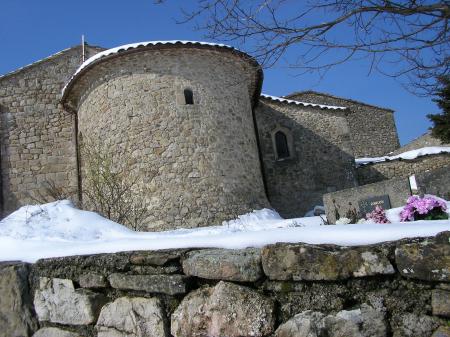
[441,122]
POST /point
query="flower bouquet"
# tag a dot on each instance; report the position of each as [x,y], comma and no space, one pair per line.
[426,208]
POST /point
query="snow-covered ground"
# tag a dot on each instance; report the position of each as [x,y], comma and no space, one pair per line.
[59,229]
[408,155]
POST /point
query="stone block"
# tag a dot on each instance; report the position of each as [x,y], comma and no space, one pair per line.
[424,261]
[57,301]
[16,307]
[155,270]
[362,322]
[156,258]
[300,262]
[55,332]
[226,310]
[71,267]
[224,264]
[167,284]
[440,302]
[413,325]
[93,281]
[132,317]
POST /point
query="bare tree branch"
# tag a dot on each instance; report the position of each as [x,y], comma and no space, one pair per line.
[412,35]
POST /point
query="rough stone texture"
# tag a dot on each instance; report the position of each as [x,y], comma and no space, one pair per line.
[57,301]
[442,238]
[435,181]
[132,317]
[440,301]
[398,295]
[93,281]
[73,267]
[222,264]
[424,261]
[16,308]
[226,310]
[36,134]
[340,202]
[442,331]
[362,322]
[312,263]
[197,164]
[371,173]
[411,325]
[366,139]
[55,332]
[156,270]
[321,155]
[167,284]
[156,258]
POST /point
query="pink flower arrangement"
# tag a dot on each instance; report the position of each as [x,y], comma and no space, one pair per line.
[426,208]
[378,215]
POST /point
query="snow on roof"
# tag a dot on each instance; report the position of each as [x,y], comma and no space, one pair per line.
[408,155]
[337,97]
[139,45]
[290,101]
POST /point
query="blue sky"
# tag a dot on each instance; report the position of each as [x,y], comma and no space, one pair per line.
[31,30]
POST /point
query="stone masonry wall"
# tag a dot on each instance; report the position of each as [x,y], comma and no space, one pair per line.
[321,158]
[37,135]
[395,289]
[372,129]
[197,165]
[372,173]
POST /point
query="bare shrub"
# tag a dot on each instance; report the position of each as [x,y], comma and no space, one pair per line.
[111,187]
[51,191]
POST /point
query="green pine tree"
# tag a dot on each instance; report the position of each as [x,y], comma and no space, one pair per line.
[441,122]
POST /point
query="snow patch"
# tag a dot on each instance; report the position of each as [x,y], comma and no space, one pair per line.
[408,155]
[59,229]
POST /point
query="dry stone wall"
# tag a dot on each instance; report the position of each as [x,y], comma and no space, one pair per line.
[196,164]
[321,155]
[399,289]
[37,134]
[372,129]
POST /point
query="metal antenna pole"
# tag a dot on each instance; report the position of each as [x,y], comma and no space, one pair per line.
[83,51]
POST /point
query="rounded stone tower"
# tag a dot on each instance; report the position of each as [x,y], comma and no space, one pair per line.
[181,115]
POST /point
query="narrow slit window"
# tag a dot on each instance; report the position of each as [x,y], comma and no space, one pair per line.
[188,96]
[281,144]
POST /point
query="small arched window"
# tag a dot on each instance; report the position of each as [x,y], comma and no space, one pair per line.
[281,145]
[188,96]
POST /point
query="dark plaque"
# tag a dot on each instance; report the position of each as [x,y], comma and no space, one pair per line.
[369,204]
